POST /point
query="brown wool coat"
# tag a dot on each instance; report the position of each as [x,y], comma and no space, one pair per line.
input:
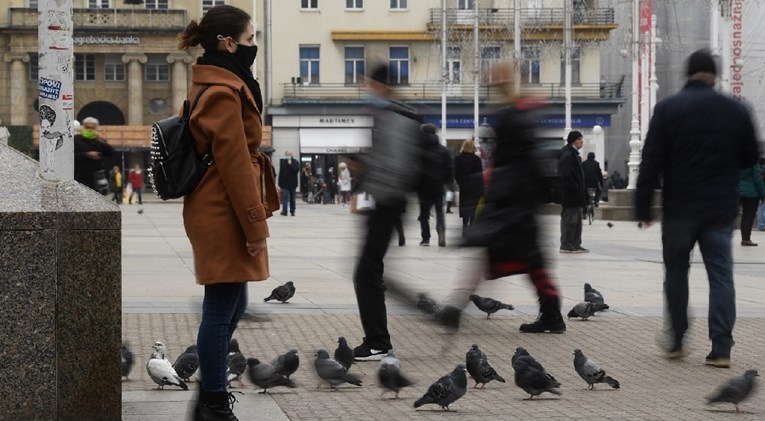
[236,195]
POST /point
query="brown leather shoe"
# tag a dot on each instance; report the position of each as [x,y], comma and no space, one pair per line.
[748,243]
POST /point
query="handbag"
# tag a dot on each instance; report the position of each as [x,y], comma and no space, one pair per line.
[362,202]
[100,182]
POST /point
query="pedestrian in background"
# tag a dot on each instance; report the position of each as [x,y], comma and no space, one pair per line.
[573,194]
[117,184]
[593,176]
[700,162]
[344,184]
[468,173]
[288,181]
[431,194]
[751,190]
[388,170]
[306,182]
[89,152]
[135,176]
[225,216]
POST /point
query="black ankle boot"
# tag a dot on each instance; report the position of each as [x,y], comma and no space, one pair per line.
[214,406]
[550,319]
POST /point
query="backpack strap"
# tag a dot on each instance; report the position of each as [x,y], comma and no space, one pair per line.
[208,157]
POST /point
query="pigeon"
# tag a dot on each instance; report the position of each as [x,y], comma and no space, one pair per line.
[591,372]
[735,390]
[140,211]
[263,375]
[531,376]
[127,361]
[610,225]
[586,309]
[187,363]
[332,371]
[489,305]
[427,304]
[236,363]
[282,293]
[161,371]
[592,295]
[344,353]
[389,374]
[446,390]
[479,369]
[287,363]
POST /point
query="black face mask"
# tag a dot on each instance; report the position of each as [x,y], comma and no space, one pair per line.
[246,54]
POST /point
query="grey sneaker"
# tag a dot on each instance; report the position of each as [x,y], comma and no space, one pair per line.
[581,250]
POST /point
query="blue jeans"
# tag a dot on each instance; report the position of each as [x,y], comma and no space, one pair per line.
[288,196]
[714,238]
[222,308]
[761,216]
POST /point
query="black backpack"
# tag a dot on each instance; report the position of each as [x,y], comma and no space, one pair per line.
[176,169]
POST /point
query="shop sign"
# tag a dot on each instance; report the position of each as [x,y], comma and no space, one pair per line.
[106,40]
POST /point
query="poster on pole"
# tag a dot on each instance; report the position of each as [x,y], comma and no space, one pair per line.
[55,89]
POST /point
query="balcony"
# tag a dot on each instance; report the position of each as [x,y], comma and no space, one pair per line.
[151,20]
[504,19]
[431,92]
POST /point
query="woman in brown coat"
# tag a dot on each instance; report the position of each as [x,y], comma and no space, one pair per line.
[225,216]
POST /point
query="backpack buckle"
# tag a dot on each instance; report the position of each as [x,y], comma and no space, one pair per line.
[208,159]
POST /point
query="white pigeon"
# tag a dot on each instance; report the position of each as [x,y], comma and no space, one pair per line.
[161,371]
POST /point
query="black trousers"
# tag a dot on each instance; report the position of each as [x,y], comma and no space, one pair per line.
[426,203]
[748,212]
[368,277]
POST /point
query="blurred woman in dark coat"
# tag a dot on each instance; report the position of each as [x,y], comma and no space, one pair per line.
[469,177]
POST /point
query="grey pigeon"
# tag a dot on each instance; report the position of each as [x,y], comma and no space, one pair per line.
[127,360]
[332,371]
[140,211]
[592,295]
[735,390]
[591,372]
[287,363]
[187,363]
[531,376]
[344,353]
[389,374]
[479,369]
[161,371]
[282,292]
[236,363]
[489,305]
[264,376]
[427,304]
[446,390]
[585,310]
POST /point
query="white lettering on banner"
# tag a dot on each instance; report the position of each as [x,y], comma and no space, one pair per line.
[106,40]
[337,120]
[737,83]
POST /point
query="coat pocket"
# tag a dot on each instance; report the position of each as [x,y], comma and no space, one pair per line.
[256,213]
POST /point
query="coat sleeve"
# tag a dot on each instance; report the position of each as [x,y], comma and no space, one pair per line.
[219,116]
[651,165]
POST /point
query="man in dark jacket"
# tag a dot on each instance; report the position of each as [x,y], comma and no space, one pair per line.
[573,196]
[288,181]
[89,152]
[593,176]
[439,172]
[698,141]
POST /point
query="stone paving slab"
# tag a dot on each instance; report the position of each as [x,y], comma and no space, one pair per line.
[626,347]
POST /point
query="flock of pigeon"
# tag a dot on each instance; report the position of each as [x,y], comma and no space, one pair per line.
[530,375]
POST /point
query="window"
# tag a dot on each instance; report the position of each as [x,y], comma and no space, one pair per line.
[354,4]
[33,4]
[453,65]
[209,4]
[34,67]
[530,64]
[98,4]
[354,65]
[157,69]
[576,56]
[156,4]
[114,68]
[489,57]
[398,4]
[309,4]
[309,65]
[399,65]
[84,67]
[465,4]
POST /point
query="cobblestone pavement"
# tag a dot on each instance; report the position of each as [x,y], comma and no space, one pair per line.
[316,251]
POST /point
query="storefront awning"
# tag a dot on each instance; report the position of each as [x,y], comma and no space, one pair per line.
[335,141]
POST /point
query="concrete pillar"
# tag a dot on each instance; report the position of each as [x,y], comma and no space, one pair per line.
[135,86]
[179,77]
[19,95]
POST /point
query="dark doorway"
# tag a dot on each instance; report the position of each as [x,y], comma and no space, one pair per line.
[107,113]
